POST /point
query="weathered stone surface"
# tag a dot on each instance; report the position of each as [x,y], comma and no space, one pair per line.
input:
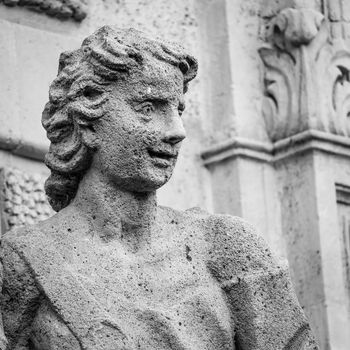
[24,199]
[36,45]
[306,78]
[62,9]
[112,270]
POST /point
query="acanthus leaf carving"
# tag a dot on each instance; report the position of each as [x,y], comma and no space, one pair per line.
[307,76]
[279,97]
[335,70]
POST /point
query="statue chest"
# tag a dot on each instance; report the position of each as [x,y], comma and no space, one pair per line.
[155,277]
[161,300]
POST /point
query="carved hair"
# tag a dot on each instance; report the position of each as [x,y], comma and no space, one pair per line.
[77,98]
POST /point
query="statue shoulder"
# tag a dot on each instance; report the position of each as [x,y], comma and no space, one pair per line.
[13,264]
[19,237]
[236,249]
[20,293]
[233,246]
[17,244]
[10,240]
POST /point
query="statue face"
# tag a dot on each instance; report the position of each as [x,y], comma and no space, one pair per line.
[139,137]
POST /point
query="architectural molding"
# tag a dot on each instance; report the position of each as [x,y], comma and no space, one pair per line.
[238,147]
[62,9]
[338,14]
[21,148]
[307,76]
[334,10]
[309,140]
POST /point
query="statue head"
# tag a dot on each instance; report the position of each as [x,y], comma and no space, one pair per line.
[116,105]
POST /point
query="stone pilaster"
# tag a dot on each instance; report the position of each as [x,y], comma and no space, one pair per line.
[294,183]
[306,109]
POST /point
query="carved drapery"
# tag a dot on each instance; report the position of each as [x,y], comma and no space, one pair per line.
[62,9]
[307,76]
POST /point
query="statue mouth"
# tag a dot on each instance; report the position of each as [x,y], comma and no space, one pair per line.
[161,157]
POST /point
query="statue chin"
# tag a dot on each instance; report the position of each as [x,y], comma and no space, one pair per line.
[146,178]
[142,184]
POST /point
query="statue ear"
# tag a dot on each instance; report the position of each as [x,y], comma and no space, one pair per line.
[89,136]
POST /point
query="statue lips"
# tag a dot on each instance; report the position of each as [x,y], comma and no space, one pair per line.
[162,158]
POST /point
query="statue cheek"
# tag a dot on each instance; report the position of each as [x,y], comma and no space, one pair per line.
[147,137]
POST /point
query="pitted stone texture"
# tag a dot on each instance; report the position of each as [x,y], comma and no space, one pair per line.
[29,35]
[112,269]
[24,199]
[210,283]
[62,9]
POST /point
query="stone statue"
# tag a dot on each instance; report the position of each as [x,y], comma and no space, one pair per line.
[112,270]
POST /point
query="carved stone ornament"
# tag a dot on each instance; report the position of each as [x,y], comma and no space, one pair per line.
[62,9]
[112,269]
[23,198]
[306,76]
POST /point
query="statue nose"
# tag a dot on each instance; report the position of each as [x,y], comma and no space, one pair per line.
[175,132]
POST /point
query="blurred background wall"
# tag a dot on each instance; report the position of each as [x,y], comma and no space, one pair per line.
[267,120]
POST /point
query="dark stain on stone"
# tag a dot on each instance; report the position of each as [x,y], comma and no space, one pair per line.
[188,257]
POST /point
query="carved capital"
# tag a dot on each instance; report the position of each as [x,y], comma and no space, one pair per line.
[292,28]
[307,76]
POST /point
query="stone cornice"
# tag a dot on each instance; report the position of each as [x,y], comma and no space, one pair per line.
[311,140]
[238,147]
[306,141]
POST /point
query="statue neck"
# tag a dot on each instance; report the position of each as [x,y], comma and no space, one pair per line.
[114,213]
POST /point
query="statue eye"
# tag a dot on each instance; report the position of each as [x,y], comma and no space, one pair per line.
[147,108]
